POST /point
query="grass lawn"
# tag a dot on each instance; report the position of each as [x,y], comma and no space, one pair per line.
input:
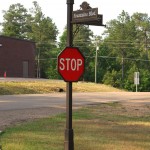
[111,126]
[40,87]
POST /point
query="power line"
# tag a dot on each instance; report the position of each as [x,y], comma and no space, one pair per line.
[125,58]
[109,57]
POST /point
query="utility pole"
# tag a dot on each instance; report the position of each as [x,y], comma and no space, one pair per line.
[38,66]
[122,72]
[97,48]
[123,67]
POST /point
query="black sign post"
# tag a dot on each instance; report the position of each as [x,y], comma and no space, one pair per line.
[69,142]
[86,16]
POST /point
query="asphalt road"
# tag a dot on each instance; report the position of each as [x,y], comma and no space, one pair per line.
[58,100]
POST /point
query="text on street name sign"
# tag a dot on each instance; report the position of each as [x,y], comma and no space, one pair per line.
[85,14]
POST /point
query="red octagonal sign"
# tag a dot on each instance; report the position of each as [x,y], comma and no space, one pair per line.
[71,64]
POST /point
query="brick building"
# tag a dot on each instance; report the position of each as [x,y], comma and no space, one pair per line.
[17,57]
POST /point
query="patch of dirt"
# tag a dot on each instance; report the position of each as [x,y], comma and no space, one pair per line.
[128,109]
[12,117]
[136,110]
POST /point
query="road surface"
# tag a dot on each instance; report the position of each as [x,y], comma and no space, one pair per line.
[20,108]
[13,102]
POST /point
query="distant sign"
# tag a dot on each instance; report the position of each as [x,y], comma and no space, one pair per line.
[85,15]
[136,78]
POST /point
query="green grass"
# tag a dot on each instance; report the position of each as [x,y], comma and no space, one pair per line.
[51,86]
[103,127]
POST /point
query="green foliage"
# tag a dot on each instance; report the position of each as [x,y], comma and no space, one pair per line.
[51,71]
[129,81]
[127,42]
[112,78]
[44,33]
[63,40]
[32,25]
[144,80]
[16,23]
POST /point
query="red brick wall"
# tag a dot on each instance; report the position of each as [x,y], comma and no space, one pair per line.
[12,54]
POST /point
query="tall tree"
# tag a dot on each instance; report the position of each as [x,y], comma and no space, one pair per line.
[128,43]
[142,24]
[44,32]
[16,21]
[43,28]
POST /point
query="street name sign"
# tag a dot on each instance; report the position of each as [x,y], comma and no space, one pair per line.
[85,15]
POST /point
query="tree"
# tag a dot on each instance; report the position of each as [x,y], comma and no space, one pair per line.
[16,22]
[83,40]
[127,42]
[43,28]
[142,24]
[44,32]
[121,36]
[63,39]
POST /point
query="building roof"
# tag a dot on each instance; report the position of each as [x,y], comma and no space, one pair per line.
[14,38]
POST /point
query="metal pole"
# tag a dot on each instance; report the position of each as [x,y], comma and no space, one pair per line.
[136,87]
[69,142]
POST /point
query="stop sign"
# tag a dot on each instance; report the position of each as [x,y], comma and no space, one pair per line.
[71,64]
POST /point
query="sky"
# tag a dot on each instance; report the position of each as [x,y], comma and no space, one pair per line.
[57,9]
